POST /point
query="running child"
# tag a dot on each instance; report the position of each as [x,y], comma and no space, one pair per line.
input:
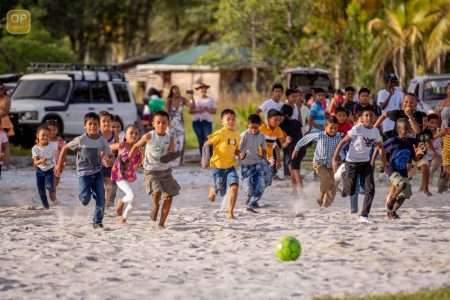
[400,150]
[358,162]
[117,129]
[274,135]
[92,148]
[124,173]
[44,161]
[158,179]
[293,129]
[225,143]
[56,142]
[252,171]
[416,120]
[111,138]
[327,142]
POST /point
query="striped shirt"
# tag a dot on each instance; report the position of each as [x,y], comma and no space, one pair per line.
[326,145]
[317,114]
[271,135]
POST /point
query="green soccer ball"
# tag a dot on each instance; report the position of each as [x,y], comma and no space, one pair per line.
[288,248]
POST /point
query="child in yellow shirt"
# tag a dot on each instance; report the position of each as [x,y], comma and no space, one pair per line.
[225,143]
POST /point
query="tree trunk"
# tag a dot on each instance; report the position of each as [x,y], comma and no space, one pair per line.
[337,69]
[401,67]
[253,62]
[414,62]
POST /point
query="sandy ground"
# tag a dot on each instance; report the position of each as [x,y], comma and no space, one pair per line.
[56,253]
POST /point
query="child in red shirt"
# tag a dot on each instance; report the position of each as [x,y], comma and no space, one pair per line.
[343,125]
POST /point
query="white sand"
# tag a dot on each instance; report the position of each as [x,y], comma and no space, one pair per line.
[56,253]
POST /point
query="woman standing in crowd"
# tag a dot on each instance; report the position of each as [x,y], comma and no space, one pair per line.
[174,107]
[202,108]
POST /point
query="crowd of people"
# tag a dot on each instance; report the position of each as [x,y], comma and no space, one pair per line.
[349,134]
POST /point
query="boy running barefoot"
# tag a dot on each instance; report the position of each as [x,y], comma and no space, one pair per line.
[158,179]
[400,150]
[252,140]
[327,142]
[225,143]
[362,137]
[89,165]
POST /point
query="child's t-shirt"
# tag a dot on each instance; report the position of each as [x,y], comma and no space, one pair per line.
[268,105]
[57,145]
[399,153]
[292,128]
[251,145]
[225,143]
[362,141]
[343,128]
[45,151]
[89,159]
[271,136]
[317,114]
[154,149]
[394,115]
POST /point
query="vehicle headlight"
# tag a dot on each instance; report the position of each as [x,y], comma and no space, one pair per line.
[29,116]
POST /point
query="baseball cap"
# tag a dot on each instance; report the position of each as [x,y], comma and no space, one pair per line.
[391,77]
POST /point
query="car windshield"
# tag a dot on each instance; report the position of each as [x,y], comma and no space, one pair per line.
[56,90]
[311,80]
[435,89]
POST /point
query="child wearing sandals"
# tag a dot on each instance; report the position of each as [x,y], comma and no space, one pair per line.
[44,161]
[158,179]
[124,174]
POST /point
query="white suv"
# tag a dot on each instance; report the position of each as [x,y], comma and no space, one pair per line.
[65,93]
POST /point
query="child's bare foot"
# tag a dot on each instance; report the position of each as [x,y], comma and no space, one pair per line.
[119,208]
[212,194]
[122,221]
[160,227]
[428,193]
[230,216]
[154,214]
[56,202]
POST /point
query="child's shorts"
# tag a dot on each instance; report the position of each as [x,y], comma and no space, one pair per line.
[161,181]
[106,172]
[397,179]
[223,178]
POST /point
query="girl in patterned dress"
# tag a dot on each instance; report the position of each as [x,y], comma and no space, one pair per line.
[124,174]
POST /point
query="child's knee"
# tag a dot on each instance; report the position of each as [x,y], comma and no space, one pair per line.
[234,186]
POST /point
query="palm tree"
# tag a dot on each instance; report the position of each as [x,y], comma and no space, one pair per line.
[399,34]
[438,39]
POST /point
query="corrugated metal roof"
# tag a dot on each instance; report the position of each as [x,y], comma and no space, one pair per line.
[215,55]
[185,57]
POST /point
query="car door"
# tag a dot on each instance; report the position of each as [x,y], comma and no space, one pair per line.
[101,98]
[79,102]
[124,102]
